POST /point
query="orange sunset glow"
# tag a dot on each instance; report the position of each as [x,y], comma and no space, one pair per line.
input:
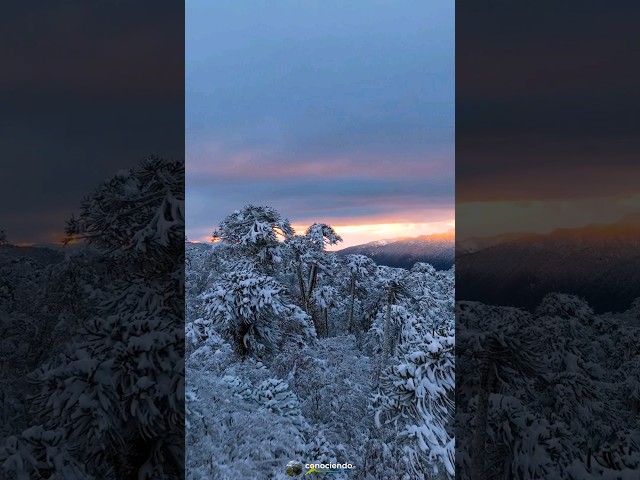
[359,234]
[488,218]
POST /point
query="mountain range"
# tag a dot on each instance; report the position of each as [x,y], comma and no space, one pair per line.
[404,252]
[37,255]
[600,263]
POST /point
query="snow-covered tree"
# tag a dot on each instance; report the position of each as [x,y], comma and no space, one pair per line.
[308,259]
[324,298]
[255,232]
[246,307]
[264,389]
[116,392]
[548,393]
[416,395]
[359,267]
[39,453]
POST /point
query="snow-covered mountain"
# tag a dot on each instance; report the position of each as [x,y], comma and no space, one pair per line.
[437,249]
[598,262]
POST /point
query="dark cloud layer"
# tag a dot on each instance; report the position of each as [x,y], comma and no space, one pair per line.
[547,100]
[78,48]
[88,88]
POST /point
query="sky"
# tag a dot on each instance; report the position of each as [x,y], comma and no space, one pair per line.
[547,135]
[329,111]
[87,89]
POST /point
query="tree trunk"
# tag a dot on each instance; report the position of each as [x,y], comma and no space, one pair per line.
[479,440]
[353,297]
[241,348]
[317,321]
[313,276]
[507,469]
[326,322]
[387,334]
[303,297]
[396,338]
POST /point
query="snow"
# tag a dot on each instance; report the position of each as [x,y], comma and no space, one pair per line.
[300,369]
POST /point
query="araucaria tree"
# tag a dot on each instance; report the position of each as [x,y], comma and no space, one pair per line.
[359,267]
[255,233]
[309,259]
[116,394]
[246,307]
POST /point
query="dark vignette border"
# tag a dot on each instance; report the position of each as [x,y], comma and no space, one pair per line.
[547,322]
[92,142]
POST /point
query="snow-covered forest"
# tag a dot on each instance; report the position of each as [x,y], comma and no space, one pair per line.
[292,353]
[297,354]
[552,393]
[93,338]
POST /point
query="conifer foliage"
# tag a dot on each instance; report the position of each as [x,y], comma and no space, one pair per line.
[109,401]
[548,394]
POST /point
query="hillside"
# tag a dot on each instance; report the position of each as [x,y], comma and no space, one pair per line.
[475,244]
[38,256]
[598,262]
[437,250]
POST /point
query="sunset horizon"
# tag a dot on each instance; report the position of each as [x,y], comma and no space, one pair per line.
[353,235]
[356,134]
[501,217]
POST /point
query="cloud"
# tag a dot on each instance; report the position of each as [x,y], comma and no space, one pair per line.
[210,161]
[340,112]
[88,88]
[546,129]
[351,191]
[79,49]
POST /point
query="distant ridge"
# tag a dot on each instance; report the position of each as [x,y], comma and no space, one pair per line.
[475,244]
[599,262]
[404,252]
[628,225]
[38,255]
